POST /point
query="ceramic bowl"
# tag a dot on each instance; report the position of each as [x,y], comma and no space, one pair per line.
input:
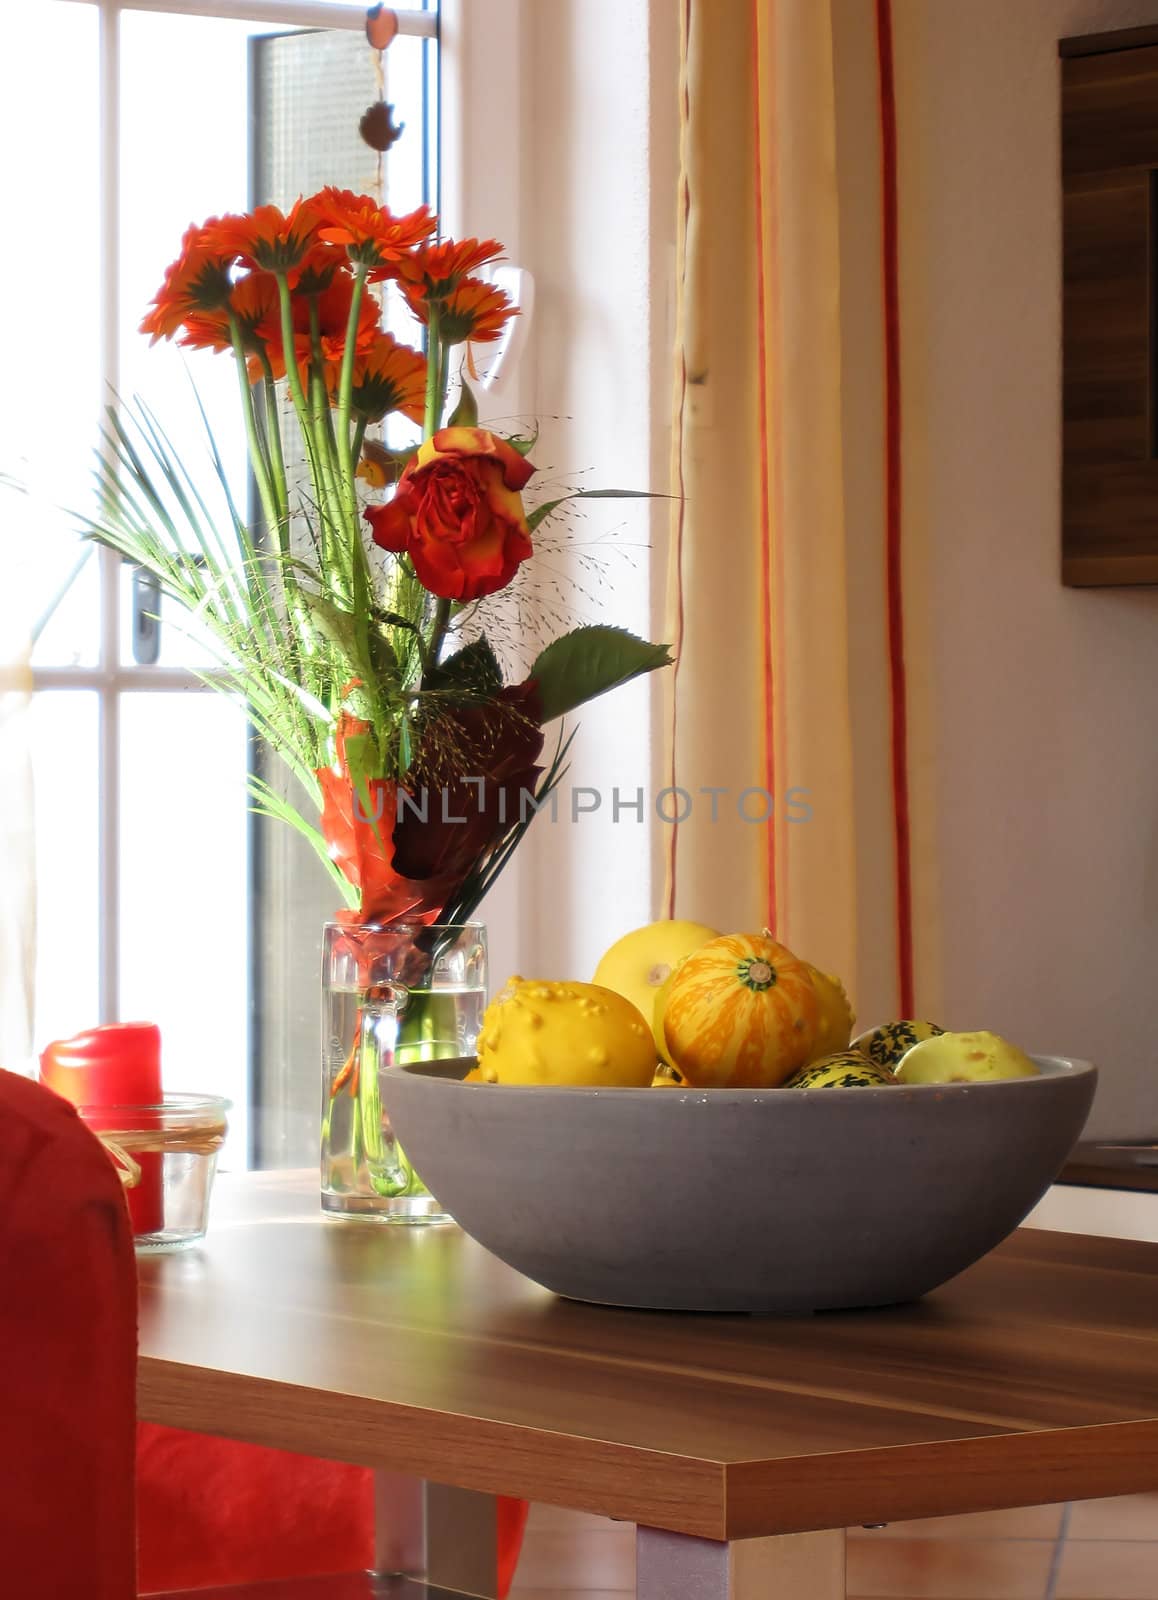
[760,1200]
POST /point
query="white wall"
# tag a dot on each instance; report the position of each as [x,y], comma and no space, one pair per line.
[567,150]
[1048,766]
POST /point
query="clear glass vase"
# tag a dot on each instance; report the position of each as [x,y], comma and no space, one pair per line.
[391,993]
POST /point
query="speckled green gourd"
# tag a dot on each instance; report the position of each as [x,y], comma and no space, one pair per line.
[847,1069]
[887,1044]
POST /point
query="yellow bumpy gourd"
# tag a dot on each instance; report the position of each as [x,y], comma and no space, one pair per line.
[836,1014]
[567,1034]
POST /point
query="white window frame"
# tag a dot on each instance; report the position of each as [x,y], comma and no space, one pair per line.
[110,678]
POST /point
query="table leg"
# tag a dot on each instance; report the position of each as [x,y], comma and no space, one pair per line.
[792,1566]
[449,1536]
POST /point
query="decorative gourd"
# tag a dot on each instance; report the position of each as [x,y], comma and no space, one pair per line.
[640,963]
[576,1034]
[659,1006]
[964,1058]
[836,1014]
[887,1044]
[847,1069]
[741,1012]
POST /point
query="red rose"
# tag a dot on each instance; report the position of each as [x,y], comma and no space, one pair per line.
[458,514]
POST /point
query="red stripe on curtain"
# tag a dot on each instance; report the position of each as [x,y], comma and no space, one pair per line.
[763,267]
[677,554]
[893,506]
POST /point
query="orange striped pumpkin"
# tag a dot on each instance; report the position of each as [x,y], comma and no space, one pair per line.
[741,1012]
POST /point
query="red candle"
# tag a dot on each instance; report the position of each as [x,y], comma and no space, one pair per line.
[115,1066]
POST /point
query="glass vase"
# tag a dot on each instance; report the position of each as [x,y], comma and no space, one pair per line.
[392,993]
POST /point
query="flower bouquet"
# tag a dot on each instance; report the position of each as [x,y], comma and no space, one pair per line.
[353,619]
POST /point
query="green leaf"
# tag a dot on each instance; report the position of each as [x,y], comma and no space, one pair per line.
[475,669]
[363,763]
[524,445]
[268,803]
[541,513]
[588,662]
[465,413]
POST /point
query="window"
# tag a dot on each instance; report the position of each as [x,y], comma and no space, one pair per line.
[134,120]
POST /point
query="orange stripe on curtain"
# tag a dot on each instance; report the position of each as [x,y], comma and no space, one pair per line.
[770,345]
[898,700]
[765,292]
[676,578]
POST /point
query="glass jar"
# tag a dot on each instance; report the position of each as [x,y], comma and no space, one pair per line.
[392,993]
[167,1157]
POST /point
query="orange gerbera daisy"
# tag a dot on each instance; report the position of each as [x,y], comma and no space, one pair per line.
[267,238]
[474,309]
[434,270]
[321,265]
[388,376]
[254,304]
[373,236]
[333,307]
[198,281]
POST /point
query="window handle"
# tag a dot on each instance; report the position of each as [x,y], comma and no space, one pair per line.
[146,618]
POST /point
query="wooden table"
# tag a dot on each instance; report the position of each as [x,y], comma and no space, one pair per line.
[741,1447]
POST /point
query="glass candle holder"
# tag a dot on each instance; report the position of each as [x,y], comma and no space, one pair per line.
[167,1157]
[392,993]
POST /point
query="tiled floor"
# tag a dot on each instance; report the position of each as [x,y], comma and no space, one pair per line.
[1097,1550]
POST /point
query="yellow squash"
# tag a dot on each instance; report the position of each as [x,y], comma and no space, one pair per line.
[541,1032]
[640,963]
[836,1014]
[741,1012]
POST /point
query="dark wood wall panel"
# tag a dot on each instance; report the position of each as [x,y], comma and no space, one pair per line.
[1109,465]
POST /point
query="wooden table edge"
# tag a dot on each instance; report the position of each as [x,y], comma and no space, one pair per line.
[708,1499]
[902,1483]
[627,1482]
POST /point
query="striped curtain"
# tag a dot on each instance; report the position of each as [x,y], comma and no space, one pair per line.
[17,875]
[798,724]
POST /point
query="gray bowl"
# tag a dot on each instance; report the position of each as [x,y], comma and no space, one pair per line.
[764,1200]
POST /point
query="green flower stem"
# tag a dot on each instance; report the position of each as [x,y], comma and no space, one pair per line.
[356,447]
[438,631]
[324,420]
[443,377]
[294,377]
[277,456]
[326,491]
[433,414]
[261,468]
[346,381]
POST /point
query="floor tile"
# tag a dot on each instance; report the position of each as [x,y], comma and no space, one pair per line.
[1102,1569]
[1133,1516]
[949,1569]
[519,1593]
[1024,1522]
[558,1519]
[598,1558]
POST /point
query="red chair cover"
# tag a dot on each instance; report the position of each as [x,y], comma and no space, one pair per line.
[208,1511]
[68,1345]
[211,1511]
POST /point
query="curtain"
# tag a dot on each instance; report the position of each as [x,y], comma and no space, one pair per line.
[798,725]
[17,881]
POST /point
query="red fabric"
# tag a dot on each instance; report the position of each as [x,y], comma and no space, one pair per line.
[68,1339]
[214,1511]
[512,1525]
